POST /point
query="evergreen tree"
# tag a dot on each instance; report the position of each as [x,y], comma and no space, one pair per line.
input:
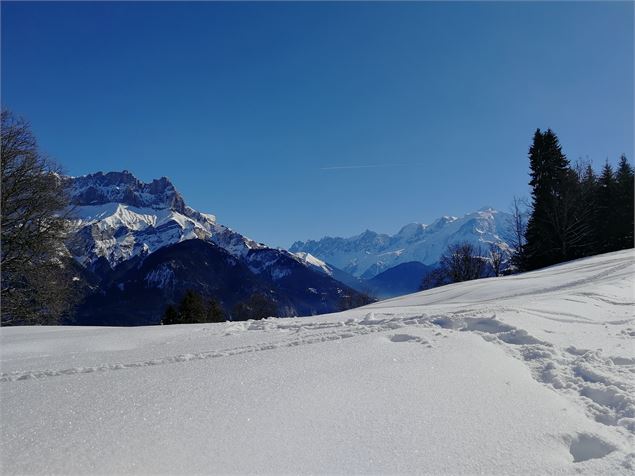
[606,216]
[192,308]
[588,207]
[258,306]
[623,206]
[215,312]
[549,169]
[348,301]
[574,213]
[560,226]
[170,316]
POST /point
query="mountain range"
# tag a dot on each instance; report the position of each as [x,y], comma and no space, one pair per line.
[139,247]
[368,254]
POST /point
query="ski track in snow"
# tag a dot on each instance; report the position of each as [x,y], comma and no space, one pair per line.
[350,328]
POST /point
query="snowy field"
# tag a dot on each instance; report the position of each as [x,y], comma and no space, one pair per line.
[530,374]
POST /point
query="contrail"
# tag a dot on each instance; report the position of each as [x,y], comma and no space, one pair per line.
[369,166]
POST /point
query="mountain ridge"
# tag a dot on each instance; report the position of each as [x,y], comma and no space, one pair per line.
[369,253]
[140,243]
[117,217]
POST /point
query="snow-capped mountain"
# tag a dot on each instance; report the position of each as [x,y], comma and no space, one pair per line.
[368,254]
[144,247]
[119,217]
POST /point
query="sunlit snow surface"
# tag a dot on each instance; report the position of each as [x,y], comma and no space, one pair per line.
[529,374]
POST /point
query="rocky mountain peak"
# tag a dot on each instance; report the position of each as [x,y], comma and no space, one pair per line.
[123,187]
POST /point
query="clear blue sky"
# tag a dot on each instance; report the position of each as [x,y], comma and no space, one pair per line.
[261,113]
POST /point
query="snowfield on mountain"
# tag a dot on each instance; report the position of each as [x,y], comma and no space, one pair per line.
[527,374]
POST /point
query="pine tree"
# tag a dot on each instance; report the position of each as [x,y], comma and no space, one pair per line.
[551,229]
[606,217]
[192,308]
[170,316]
[214,311]
[574,213]
[258,306]
[623,206]
[588,203]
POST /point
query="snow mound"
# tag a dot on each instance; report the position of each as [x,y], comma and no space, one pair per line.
[527,374]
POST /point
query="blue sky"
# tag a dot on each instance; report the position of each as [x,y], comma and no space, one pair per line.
[298,120]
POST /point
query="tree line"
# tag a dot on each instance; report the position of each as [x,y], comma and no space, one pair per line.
[194,308]
[574,212]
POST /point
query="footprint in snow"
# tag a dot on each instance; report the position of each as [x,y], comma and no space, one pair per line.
[407,338]
[584,447]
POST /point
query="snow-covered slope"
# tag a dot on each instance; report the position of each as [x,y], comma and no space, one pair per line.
[119,217]
[370,253]
[527,374]
[309,260]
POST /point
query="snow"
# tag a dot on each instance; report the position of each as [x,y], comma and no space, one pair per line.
[119,231]
[161,278]
[279,273]
[527,374]
[209,217]
[118,217]
[309,260]
[112,215]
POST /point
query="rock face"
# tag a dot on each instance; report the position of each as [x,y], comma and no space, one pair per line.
[124,188]
[119,217]
[144,247]
[368,254]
